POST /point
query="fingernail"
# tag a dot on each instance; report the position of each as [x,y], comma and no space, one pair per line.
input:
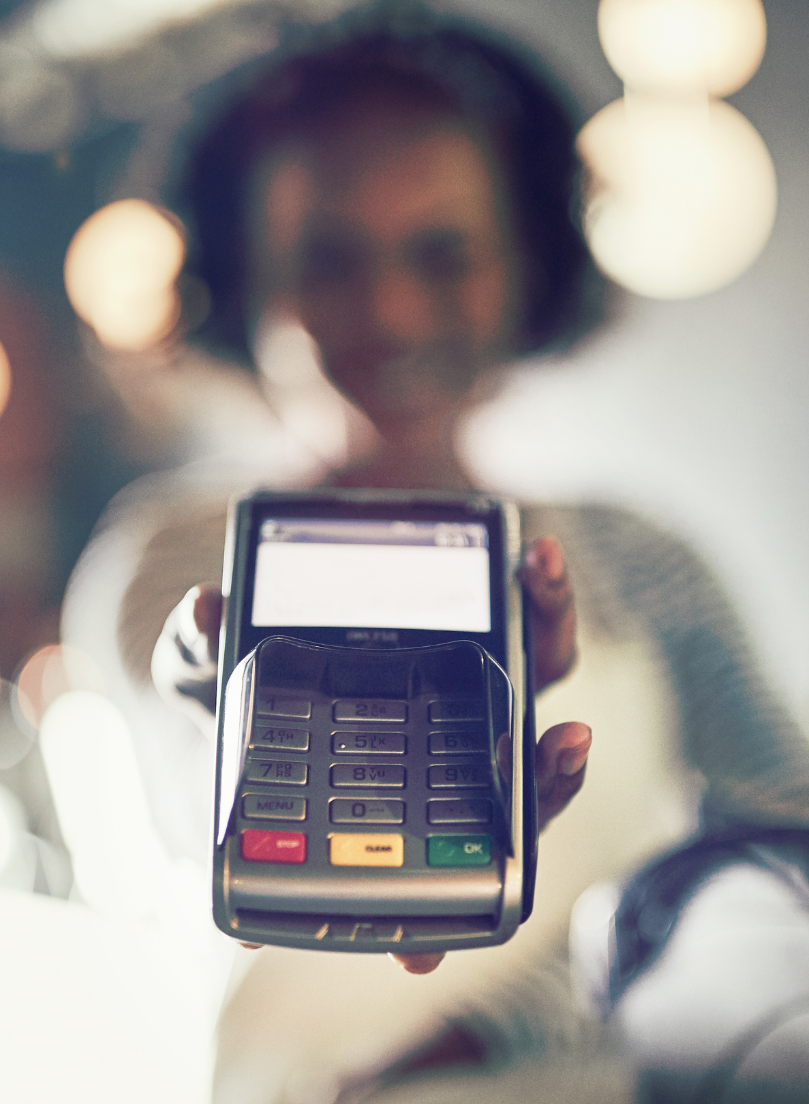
[418,963]
[571,760]
[532,557]
[552,559]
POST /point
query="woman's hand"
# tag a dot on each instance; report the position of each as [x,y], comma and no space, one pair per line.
[560,763]
[562,751]
[189,645]
[551,610]
[185,655]
[207,613]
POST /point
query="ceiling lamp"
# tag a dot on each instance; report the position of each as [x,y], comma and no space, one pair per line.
[707,46]
[682,191]
[120,274]
[5,379]
[685,196]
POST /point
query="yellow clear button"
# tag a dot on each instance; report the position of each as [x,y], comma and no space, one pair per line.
[355,849]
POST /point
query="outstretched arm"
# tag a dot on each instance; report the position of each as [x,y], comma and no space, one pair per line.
[185,662]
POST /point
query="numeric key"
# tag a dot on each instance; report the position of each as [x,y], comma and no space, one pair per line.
[278,771]
[369,743]
[365,710]
[464,776]
[367,775]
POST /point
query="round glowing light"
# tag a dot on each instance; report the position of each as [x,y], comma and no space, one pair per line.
[5,379]
[711,46]
[118,863]
[18,856]
[305,400]
[683,198]
[120,273]
[16,739]
[46,675]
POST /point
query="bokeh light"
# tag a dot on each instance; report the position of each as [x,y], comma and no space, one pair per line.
[683,196]
[67,27]
[16,739]
[47,674]
[18,854]
[708,46]
[306,402]
[118,864]
[120,274]
[5,379]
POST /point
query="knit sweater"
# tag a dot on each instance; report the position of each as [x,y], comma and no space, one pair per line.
[685,731]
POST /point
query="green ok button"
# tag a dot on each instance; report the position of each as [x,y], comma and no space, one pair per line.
[459,850]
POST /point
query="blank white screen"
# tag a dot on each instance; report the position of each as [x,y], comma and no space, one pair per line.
[372,586]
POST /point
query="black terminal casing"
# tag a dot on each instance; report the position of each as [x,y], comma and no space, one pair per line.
[359,804]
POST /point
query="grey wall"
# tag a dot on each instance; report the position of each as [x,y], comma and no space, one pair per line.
[696,411]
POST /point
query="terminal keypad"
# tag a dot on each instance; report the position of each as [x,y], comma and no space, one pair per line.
[367,782]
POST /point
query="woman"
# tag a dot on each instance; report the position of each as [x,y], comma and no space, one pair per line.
[356,191]
[402,185]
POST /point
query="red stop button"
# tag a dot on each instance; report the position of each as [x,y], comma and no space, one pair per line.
[273,847]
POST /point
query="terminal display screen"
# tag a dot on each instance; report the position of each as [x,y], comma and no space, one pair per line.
[372,574]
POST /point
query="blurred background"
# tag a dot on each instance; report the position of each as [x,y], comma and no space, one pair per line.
[690,405]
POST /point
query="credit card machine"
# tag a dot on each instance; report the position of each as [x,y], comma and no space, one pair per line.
[375,787]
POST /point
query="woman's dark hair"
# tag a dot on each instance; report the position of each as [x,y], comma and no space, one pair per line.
[459,67]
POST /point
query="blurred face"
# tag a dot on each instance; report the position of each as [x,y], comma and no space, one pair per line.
[389,238]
